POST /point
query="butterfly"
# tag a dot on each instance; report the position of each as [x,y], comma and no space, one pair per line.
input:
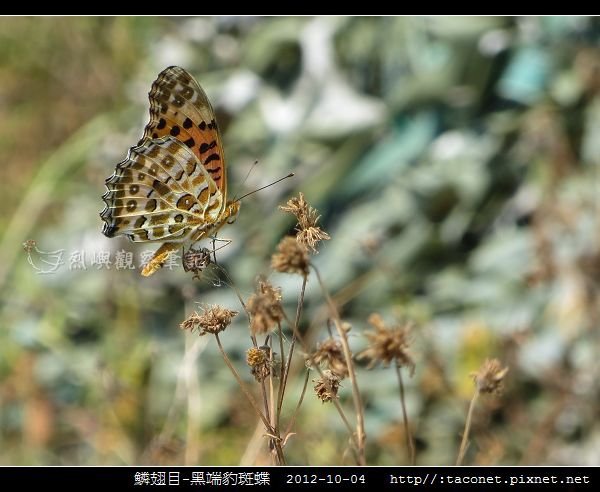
[172,186]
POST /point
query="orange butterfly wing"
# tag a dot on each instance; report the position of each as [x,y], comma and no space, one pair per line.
[159,192]
[179,107]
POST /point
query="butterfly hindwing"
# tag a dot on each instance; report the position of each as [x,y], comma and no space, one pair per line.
[160,192]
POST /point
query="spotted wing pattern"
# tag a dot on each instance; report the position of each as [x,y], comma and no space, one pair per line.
[172,186]
[160,192]
[180,108]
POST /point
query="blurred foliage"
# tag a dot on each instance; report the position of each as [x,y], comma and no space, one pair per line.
[455,161]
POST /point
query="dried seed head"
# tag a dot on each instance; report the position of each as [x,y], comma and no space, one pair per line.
[292,257]
[330,351]
[308,233]
[310,236]
[213,319]
[387,344]
[264,308]
[490,377]
[327,386]
[299,207]
[259,361]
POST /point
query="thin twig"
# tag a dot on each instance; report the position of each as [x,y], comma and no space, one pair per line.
[280,388]
[465,438]
[268,427]
[297,409]
[271,403]
[355,447]
[262,385]
[288,363]
[242,385]
[358,407]
[409,440]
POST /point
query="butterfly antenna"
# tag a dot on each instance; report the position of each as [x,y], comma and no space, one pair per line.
[247,176]
[263,187]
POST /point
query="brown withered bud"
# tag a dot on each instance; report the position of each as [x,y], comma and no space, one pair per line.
[307,232]
[490,376]
[327,386]
[291,257]
[388,344]
[331,353]
[264,308]
[213,319]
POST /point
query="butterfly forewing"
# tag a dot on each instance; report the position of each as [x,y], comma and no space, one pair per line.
[180,108]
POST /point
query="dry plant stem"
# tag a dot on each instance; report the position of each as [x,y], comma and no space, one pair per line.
[239,296]
[320,371]
[280,388]
[286,368]
[263,388]
[170,423]
[297,409]
[358,407]
[194,406]
[271,404]
[243,386]
[355,446]
[268,427]
[465,438]
[409,440]
[254,447]
[266,418]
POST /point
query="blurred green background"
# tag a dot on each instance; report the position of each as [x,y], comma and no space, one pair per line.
[456,164]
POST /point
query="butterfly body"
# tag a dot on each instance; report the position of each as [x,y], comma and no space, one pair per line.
[172,186]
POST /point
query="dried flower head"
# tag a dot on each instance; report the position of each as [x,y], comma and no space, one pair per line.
[259,361]
[330,351]
[213,319]
[300,208]
[387,344]
[327,386]
[264,307]
[308,233]
[310,236]
[490,377]
[291,257]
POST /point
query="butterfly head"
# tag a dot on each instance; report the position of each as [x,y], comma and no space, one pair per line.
[232,210]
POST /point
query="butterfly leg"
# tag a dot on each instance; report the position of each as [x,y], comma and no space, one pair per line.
[214,252]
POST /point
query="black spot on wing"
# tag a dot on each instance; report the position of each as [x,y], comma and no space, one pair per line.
[206,147]
[212,157]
